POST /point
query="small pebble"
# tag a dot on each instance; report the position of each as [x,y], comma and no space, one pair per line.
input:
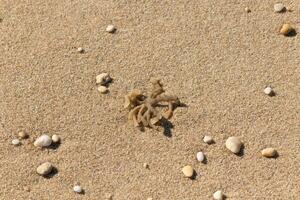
[102,89]
[55,138]
[103,79]
[233,144]
[207,139]
[188,171]
[108,196]
[286,29]
[247,10]
[16,142]
[110,29]
[218,195]
[22,135]
[80,50]
[200,156]
[268,91]
[146,166]
[44,168]
[77,189]
[279,7]
[269,152]
[43,141]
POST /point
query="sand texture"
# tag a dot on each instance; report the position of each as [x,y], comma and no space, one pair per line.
[212,54]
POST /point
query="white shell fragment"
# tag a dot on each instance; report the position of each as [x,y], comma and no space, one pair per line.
[16,142]
[77,189]
[268,91]
[233,144]
[111,29]
[43,141]
[218,195]
[208,139]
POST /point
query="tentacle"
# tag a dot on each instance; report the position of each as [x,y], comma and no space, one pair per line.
[133,112]
[169,113]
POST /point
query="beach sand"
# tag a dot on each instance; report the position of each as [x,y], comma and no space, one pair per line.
[212,54]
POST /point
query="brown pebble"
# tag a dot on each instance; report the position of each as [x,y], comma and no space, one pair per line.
[22,135]
[44,168]
[269,152]
[286,29]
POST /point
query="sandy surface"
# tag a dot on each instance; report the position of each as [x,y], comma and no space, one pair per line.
[211,53]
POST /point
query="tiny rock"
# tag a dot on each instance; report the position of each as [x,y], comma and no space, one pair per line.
[233,144]
[218,195]
[80,50]
[200,156]
[247,10]
[55,138]
[43,141]
[188,171]
[16,142]
[44,168]
[146,166]
[208,139]
[268,91]
[286,29]
[103,79]
[108,196]
[102,89]
[269,152]
[111,29]
[77,189]
[279,7]
[22,135]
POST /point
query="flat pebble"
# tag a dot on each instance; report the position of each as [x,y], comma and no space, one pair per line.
[77,189]
[111,29]
[286,29]
[103,89]
[269,152]
[44,168]
[200,156]
[43,141]
[55,138]
[16,142]
[218,195]
[268,91]
[22,135]
[80,50]
[208,139]
[279,7]
[234,144]
[103,78]
[188,171]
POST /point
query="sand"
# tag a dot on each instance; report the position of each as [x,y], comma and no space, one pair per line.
[215,56]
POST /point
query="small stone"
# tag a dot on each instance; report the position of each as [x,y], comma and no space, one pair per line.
[268,91]
[146,166]
[218,195]
[44,168]
[22,135]
[108,196]
[16,142]
[55,138]
[80,50]
[279,7]
[43,141]
[207,139]
[111,29]
[77,189]
[200,156]
[269,152]
[233,144]
[103,78]
[247,10]
[286,29]
[102,89]
[188,171]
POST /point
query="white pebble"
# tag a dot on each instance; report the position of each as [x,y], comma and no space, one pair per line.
[44,168]
[80,50]
[110,29]
[207,139]
[268,91]
[102,89]
[218,195]
[16,142]
[55,138]
[43,141]
[279,7]
[77,189]
[200,156]
[233,144]
[103,78]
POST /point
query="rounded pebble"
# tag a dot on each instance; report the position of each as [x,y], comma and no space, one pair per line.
[207,139]
[77,189]
[22,135]
[102,89]
[269,152]
[44,168]
[188,171]
[43,141]
[55,138]
[233,144]
[247,10]
[103,78]
[286,29]
[218,195]
[200,156]
[146,166]
[16,142]
[279,7]
[110,29]
[268,91]
[80,50]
